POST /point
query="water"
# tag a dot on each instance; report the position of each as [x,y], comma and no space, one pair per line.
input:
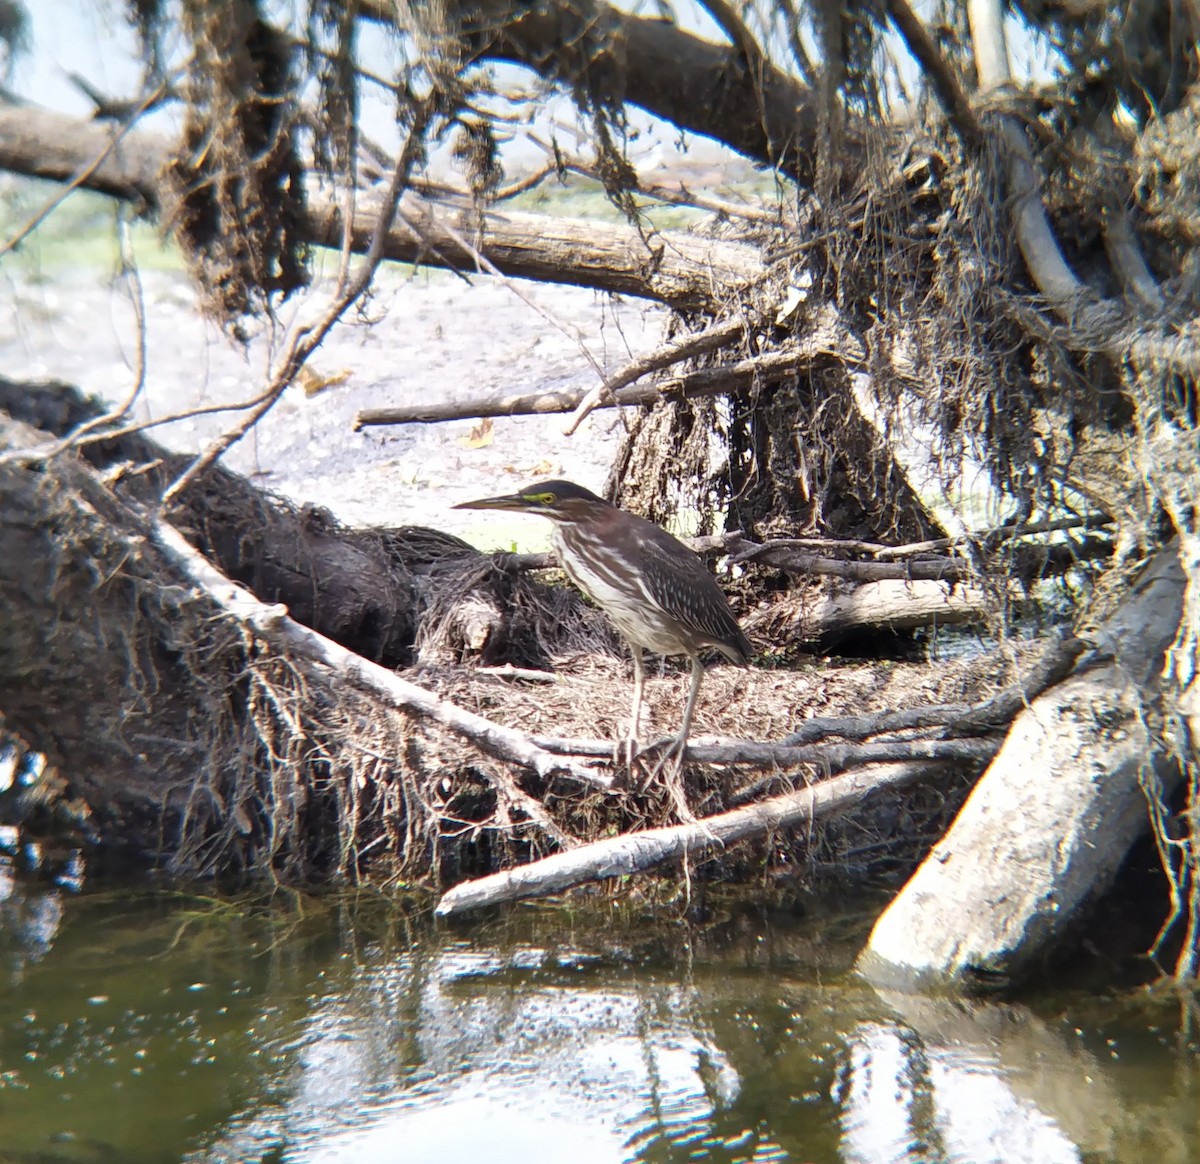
[162,1027]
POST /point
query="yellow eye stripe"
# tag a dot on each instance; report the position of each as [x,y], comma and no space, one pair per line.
[540,498]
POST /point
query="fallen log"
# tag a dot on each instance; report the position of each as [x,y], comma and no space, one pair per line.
[828,618]
[636,852]
[674,267]
[1048,825]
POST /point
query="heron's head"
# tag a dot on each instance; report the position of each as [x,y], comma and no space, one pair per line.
[557,500]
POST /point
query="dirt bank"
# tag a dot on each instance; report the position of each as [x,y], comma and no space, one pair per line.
[429,335]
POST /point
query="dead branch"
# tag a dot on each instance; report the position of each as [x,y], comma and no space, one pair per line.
[784,554]
[770,367]
[1051,821]
[1037,561]
[827,757]
[636,852]
[1093,323]
[305,339]
[995,713]
[513,796]
[942,76]
[1027,529]
[734,27]
[696,84]
[85,171]
[680,196]
[272,623]
[1125,256]
[670,266]
[687,348]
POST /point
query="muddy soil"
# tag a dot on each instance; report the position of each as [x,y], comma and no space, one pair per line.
[429,335]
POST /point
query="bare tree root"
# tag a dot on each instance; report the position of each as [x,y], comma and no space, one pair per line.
[271,623]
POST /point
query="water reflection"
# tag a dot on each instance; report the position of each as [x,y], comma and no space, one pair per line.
[972,1083]
[178,1028]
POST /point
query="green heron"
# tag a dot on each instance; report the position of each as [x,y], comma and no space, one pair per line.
[657,591]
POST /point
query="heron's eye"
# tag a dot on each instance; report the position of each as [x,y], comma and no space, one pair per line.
[542,498]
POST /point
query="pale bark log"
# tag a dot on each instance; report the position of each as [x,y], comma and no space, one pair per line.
[1049,823]
[895,606]
[636,852]
[671,266]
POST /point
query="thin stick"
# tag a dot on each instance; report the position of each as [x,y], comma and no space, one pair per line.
[573,164]
[81,176]
[769,367]
[77,436]
[734,27]
[486,264]
[687,348]
[307,339]
[1088,521]
[508,790]
[755,754]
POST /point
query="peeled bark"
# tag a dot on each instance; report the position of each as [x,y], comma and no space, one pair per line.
[1049,823]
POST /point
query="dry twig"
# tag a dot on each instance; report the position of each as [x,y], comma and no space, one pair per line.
[305,340]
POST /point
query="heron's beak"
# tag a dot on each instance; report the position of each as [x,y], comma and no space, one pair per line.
[512,501]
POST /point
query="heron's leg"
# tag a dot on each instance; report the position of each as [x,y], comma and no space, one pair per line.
[672,762]
[639,686]
[627,749]
[689,710]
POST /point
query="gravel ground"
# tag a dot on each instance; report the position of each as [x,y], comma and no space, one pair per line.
[431,335]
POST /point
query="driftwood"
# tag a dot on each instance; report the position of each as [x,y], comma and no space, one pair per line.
[766,754]
[1049,823]
[637,852]
[822,343]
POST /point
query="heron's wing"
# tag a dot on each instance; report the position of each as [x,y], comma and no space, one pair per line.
[678,582]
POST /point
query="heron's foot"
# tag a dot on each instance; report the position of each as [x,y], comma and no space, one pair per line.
[668,754]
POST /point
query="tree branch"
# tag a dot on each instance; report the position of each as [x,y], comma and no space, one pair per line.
[687,348]
[942,77]
[734,27]
[635,852]
[619,58]
[770,367]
